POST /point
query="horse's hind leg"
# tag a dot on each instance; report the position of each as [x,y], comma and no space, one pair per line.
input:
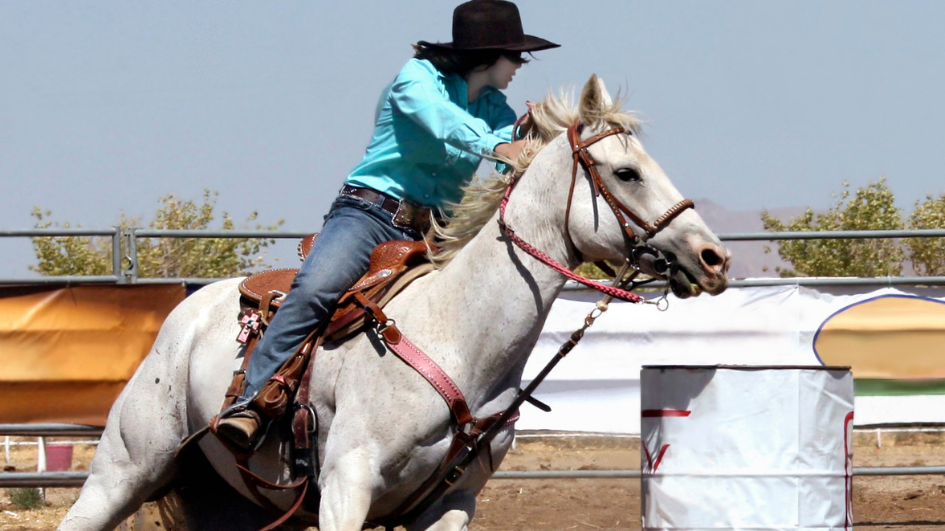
[134,459]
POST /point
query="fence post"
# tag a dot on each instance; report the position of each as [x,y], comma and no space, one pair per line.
[130,273]
[116,255]
[41,463]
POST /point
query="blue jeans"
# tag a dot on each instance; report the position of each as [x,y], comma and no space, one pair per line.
[339,257]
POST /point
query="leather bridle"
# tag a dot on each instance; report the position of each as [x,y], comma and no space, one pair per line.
[637,243]
[581,155]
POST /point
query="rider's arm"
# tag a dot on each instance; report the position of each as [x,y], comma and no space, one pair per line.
[419,94]
[511,150]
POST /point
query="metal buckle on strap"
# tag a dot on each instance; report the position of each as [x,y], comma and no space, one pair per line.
[348,191]
[412,216]
[454,475]
[370,195]
[404,214]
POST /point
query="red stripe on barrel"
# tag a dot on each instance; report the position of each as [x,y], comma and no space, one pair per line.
[649,413]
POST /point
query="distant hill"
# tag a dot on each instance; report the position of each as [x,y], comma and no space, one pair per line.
[748,258]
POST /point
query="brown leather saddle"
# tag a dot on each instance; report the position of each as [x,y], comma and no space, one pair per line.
[393,266]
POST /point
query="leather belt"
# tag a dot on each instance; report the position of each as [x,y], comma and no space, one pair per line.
[404,214]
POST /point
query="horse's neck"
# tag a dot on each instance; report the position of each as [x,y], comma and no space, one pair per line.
[501,295]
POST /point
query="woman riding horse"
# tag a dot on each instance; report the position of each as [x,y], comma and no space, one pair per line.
[433,125]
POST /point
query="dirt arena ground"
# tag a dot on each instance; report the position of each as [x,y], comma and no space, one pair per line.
[915,503]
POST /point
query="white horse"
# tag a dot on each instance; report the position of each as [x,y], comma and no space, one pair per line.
[382,429]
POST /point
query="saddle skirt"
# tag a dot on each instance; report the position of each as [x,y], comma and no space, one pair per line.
[393,266]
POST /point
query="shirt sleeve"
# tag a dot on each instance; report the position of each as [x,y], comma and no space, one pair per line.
[503,118]
[418,94]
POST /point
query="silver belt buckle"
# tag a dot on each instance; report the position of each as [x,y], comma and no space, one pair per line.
[412,216]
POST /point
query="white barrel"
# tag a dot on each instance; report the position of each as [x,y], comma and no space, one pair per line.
[742,447]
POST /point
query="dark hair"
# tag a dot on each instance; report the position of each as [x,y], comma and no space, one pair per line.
[462,62]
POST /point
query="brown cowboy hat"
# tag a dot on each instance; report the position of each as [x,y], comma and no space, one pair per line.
[490,25]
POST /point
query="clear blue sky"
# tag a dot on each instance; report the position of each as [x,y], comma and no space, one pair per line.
[106,106]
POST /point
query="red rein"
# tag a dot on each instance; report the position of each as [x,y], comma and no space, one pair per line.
[614,292]
[583,157]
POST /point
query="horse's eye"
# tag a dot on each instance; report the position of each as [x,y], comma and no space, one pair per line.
[627,175]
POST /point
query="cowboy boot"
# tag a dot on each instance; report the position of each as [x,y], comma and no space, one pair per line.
[241,429]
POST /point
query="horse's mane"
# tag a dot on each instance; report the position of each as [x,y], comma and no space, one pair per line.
[551,117]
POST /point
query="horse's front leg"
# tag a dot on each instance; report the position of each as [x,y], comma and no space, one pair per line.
[455,511]
[347,484]
[452,513]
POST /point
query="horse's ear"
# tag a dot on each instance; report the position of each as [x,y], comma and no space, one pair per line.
[594,99]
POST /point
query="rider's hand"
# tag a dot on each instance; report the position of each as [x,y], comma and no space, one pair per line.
[524,125]
[511,151]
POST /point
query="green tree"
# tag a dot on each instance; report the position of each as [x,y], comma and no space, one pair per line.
[869,208]
[589,270]
[927,254]
[62,255]
[157,257]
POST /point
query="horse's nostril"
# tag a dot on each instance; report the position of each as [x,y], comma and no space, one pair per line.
[712,258]
[715,259]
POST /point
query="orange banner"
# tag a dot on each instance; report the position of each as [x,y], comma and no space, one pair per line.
[67,353]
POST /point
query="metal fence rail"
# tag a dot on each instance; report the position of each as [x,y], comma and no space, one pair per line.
[632,473]
[833,235]
[51,430]
[126,267]
[113,232]
[18,480]
[77,479]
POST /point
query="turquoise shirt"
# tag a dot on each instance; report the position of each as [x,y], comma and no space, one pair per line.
[428,140]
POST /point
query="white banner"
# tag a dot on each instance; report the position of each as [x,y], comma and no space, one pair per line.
[884,335]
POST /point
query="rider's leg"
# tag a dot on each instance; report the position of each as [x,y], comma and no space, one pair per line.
[339,257]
